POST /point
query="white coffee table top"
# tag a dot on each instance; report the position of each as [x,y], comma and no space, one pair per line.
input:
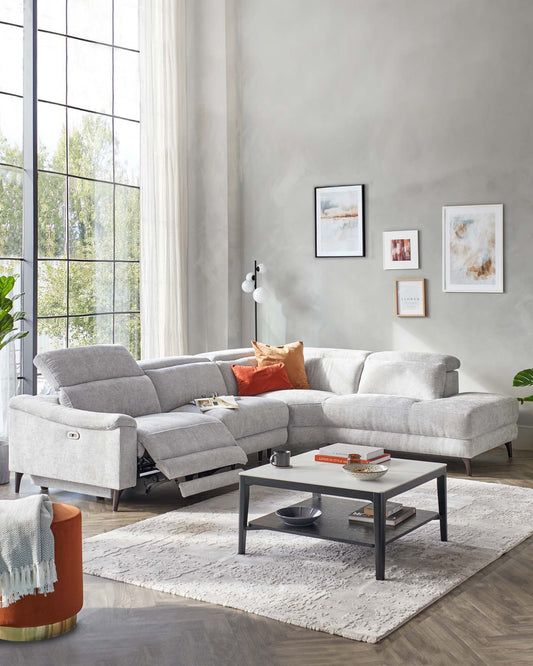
[304,469]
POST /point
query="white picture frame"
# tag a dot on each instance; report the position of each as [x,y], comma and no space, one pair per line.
[472,248]
[410,297]
[400,249]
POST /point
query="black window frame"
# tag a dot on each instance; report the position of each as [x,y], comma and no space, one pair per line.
[30,254]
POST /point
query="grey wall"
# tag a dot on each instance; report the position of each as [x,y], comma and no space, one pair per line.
[425,102]
[213,183]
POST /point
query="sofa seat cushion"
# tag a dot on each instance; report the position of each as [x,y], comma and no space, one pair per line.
[254,416]
[174,436]
[387,413]
[462,416]
[305,406]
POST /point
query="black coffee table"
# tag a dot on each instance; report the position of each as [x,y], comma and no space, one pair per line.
[334,492]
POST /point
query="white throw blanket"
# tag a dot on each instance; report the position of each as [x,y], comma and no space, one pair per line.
[27,561]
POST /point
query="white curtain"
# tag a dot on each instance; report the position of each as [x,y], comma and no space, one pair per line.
[8,384]
[163,178]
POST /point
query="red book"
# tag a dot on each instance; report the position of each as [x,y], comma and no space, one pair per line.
[343,460]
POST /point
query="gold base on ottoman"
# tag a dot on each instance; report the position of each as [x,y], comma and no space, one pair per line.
[38,633]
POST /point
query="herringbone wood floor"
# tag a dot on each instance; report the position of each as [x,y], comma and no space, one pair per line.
[487,620]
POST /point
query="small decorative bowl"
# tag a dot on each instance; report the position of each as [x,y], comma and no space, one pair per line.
[366,471]
[299,516]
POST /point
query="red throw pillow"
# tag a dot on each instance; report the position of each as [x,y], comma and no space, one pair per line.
[252,380]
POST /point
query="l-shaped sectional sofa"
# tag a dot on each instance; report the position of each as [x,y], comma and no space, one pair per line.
[113,419]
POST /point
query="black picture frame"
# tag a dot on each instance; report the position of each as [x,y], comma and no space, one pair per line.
[346,238]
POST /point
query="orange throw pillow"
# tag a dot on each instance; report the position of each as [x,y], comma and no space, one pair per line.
[252,380]
[291,354]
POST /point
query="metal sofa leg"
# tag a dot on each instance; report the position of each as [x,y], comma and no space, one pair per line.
[468,465]
[18,479]
[116,499]
[509,447]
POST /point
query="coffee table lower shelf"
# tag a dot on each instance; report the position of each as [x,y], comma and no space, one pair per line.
[334,525]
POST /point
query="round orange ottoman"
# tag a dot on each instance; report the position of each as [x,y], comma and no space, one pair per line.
[39,616]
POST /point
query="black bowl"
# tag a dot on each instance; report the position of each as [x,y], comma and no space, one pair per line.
[299,516]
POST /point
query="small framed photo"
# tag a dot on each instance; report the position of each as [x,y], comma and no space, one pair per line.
[339,221]
[472,252]
[410,297]
[400,249]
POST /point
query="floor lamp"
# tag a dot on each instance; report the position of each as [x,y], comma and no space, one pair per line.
[250,286]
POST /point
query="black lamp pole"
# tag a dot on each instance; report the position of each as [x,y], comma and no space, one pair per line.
[254,278]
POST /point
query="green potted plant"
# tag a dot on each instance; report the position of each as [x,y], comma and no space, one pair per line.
[8,369]
[524,378]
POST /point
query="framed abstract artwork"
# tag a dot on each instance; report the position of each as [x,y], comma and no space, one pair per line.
[410,296]
[472,253]
[400,249]
[339,221]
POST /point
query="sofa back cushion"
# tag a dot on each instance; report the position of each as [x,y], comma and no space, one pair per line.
[225,368]
[79,365]
[99,378]
[178,385]
[335,370]
[410,379]
[134,396]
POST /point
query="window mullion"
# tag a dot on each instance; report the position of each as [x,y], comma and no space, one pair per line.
[30,198]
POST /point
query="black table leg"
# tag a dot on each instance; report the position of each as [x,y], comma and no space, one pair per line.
[244,500]
[441,492]
[379,534]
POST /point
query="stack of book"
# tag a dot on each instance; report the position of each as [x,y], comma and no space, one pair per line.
[395,514]
[338,453]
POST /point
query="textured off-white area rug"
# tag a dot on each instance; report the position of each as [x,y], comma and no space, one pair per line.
[192,552]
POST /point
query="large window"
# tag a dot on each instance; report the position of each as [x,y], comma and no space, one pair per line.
[87,202]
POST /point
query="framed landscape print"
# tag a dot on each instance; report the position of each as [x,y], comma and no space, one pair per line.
[339,222]
[410,297]
[473,248]
[400,249]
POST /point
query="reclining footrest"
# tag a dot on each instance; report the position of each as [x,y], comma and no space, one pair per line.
[209,482]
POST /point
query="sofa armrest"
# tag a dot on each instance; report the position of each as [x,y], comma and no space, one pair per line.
[75,418]
[102,452]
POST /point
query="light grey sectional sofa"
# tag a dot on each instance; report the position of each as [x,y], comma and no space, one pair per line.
[113,420]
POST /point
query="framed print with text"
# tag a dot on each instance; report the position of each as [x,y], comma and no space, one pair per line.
[410,295]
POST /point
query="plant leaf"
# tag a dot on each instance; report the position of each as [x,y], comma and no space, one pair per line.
[528,399]
[7,282]
[17,336]
[524,378]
